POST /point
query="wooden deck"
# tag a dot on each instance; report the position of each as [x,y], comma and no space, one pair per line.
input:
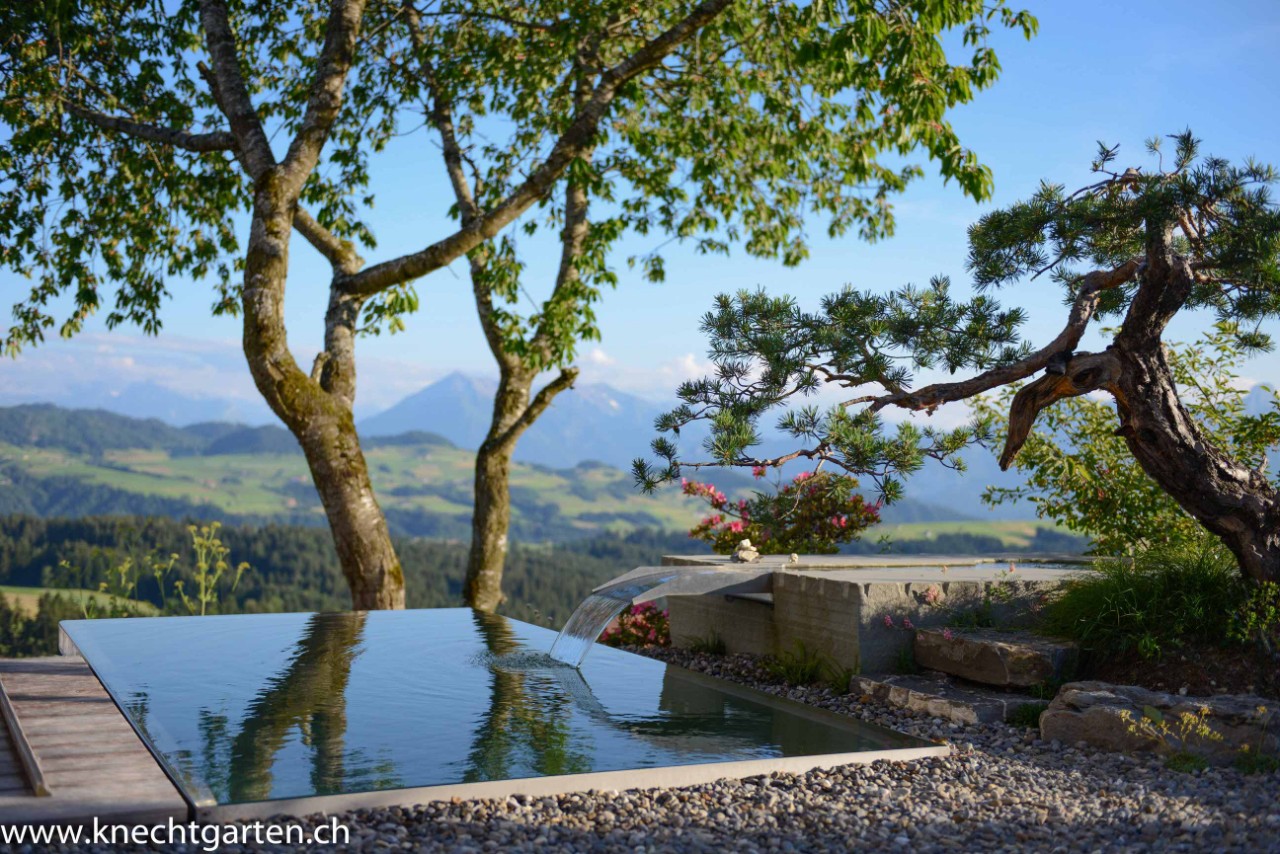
[92,762]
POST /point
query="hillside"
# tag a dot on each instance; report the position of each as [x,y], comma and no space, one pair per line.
[66,463]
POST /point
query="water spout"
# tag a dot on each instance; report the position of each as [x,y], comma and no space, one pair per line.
[645,584]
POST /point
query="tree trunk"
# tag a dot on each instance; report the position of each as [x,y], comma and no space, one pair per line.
[359,527]
[1236,503]
[317,409]
[1233,501]
[489,525]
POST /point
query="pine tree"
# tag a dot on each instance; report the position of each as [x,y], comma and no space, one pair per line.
[1139,245]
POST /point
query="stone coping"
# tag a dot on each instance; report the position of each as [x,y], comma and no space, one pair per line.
[830,562]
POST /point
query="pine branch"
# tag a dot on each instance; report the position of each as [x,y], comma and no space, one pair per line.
[1082,310]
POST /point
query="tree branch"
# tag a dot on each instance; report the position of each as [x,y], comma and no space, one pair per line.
[1086,303]
[577,138]
[325,101]
[441,115]
[539,404]
[197,142]
[573,237]
[230,92]
[1085,373]
[340,254]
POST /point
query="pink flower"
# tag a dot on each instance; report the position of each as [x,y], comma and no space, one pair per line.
[946,634]
[735,527]
[803,476]
[888,621]
[757,471]
[933,595]
[906,623]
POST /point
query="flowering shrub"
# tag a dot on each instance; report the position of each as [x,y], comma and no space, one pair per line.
[639,625]
[812,514]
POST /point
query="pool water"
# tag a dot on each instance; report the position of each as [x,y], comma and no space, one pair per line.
[252,708]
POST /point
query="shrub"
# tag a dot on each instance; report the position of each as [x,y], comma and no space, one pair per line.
[813,514]
[1257,619]
[213,578]
[1185,739]
[639,625]
[1165,597]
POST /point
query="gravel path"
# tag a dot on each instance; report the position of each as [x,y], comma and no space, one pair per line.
[1003,790]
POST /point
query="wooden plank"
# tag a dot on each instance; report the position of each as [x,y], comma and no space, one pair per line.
[17,738]
[93,761]
[15,780]
[77,747]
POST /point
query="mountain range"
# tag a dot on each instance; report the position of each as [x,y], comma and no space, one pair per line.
[588,422]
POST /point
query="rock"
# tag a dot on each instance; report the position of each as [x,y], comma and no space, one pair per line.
[746,553]
[1093,712]
[1001,659]
[937,696]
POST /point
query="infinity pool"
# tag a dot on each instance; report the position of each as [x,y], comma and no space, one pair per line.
[257,714]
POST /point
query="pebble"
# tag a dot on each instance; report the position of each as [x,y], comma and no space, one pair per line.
[1001,790]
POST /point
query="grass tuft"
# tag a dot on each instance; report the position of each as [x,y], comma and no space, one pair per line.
[1028,715]
[1164,598]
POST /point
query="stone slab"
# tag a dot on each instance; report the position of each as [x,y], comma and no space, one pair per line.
[833,562]
[854,610]
[938,696]
[1094,713]
[996,658]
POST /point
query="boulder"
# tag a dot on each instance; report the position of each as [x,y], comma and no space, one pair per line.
[1095,713]
[1000,659]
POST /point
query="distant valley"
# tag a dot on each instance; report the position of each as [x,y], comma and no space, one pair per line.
[57,462]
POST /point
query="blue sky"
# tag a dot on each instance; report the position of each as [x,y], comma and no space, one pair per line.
[1118,71]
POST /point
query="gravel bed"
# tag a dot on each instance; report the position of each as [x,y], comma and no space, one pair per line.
[1002,790]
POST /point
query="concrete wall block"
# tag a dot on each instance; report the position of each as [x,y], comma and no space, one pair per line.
[743,624]
[821,614]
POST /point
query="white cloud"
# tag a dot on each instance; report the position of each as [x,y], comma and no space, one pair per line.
[97,367]
[654,381]
[597,356]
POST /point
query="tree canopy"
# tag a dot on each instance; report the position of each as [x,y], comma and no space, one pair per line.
[140,137]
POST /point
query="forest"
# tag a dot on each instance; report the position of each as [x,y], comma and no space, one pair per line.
[294,568]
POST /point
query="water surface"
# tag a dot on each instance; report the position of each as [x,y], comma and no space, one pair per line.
[265,706]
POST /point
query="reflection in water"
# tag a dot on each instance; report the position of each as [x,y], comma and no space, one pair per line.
[363,702]
[526,725]
[309,694]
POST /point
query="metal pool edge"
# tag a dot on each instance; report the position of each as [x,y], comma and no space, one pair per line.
[644,778]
